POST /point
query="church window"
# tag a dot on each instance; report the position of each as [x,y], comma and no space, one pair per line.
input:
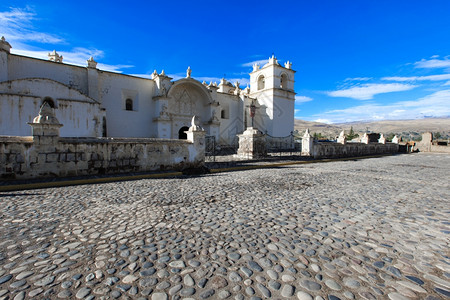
[49,101]
[261,82]
[224,114]
[283,81]
[128,104]
[182,133]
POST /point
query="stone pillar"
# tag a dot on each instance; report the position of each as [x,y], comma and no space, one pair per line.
[365,139]
[395,139]
[307,144]
[252,144]
[196,135]
[93,79]
[45,127]
[426,142]
[382,139]
[342,139]
[5,49]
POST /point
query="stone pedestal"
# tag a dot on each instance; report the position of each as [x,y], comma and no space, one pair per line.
[365,139]
[252,144]
[307,144]
[342,139]
[45,127]
[196,135]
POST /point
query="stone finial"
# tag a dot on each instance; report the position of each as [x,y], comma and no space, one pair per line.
[307,134]
[273,60]
[54,56]
[194,124]
[188,72]
[223,81]
[256,67]
[342,139]
[154,74]
[92,63]
[204,83]
[365,138]
[288,65]
[46,115]
[395,139]
[237,90]
[163,73]
[45,127]
[4,45]
[382,139]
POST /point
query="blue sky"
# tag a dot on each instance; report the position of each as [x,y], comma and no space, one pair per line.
[355,60]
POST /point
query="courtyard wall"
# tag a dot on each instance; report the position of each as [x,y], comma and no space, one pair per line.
[335,150]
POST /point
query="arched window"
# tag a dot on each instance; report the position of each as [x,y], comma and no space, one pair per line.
[261,82]
[49,101]
[182,133]
[283,81]
[128,104]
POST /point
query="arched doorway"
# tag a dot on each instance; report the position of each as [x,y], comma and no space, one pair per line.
[182,134]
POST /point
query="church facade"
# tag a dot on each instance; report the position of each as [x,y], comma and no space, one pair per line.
[93,103]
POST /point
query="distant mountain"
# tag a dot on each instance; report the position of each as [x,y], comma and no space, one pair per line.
[400,127]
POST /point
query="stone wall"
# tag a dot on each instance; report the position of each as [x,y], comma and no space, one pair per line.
[45,154]
[335,150]
[428,145]
[23,158]
[342,148]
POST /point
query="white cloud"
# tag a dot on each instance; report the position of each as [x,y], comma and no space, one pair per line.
[358,79]
[447,83]
[78,56]
[433,63]
[251,63]
[435,105]
[326,121]
[16,26]
[419,78]
[367,91]
[296,111]
[302,99]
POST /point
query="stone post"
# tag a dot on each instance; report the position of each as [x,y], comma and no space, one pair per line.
[307,144]
[252,144]
[395,139]
[5,49]
[425,144]
[92,79]
[45,127]
[382,139]
[365,139]
[196,135]
[342,139]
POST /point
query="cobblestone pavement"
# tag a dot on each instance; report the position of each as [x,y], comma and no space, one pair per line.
[376,228]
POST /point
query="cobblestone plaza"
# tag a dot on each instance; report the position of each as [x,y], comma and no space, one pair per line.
[376,228]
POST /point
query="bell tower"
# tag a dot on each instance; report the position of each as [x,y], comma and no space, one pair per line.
[272,85]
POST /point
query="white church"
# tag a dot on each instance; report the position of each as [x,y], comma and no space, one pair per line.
[94,103]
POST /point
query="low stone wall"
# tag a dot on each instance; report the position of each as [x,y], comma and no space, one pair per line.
[36,157]
[23,158]
[342,148]
[428,145]
[442,149]
[335,150]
